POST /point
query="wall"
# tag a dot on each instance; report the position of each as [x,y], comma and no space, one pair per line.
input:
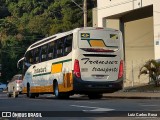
[139,47]
[111,7]
[142,37]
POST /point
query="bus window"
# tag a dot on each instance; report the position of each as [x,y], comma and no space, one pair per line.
[68,44]
[60,48]
[44,53]
[51,50]
[29,57]
[37,58]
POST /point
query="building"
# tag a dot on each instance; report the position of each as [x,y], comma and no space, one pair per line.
[139,21]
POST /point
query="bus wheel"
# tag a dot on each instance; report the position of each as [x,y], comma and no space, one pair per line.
[28,90]
[56,90]
[36,95]
[58,94]
[95,96]
[29,94]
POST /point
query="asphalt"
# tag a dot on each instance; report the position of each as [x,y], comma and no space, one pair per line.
[133,95]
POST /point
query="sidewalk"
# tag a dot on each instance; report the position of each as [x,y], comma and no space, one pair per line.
[133,95]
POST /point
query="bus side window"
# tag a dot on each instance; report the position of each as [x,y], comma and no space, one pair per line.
[44,53]
[51,50]
[37,58]
[27,61]
[68,44]
[60,48]
[29,57]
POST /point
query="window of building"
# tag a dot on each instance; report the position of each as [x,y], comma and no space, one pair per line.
[157,42]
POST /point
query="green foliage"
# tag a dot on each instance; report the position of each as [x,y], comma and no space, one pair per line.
[23,22]
[152,68]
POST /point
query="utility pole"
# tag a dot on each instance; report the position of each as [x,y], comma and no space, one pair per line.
[85,12]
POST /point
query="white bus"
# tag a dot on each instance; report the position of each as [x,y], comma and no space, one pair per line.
[82,61]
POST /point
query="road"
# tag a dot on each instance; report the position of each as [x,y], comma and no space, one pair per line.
[78,107]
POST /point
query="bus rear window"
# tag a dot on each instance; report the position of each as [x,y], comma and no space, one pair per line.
[99,39]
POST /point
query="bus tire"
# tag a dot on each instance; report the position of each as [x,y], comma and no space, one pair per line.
[36,95]
[29,94]
[95,96]
[58,94]
[56,90]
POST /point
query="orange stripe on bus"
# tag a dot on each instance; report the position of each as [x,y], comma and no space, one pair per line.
[97,43]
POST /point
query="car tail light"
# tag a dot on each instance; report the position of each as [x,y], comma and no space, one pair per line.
[18,81]
[120,74]
[77,68]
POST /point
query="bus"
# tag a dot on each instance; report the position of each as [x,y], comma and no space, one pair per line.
[86,61]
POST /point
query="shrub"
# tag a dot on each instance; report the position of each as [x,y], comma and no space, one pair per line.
[152,68]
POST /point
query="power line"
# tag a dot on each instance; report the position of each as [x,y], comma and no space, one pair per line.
[77,5]
[116,4]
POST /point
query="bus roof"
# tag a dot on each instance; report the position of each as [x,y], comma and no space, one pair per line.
[59,35]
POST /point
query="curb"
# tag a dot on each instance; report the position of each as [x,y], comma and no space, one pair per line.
[131,97]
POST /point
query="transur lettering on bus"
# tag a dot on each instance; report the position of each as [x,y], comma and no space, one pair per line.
[88,61]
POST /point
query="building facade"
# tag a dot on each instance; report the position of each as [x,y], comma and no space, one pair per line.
[139,21]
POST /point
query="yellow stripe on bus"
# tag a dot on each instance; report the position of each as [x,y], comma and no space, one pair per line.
[56,68]
[39,89]
[66,86]
[97,43]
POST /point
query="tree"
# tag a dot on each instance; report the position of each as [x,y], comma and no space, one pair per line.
[152,68]
[23,22]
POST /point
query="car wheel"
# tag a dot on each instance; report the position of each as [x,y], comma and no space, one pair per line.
[8,95]
[15,94]
[1,89]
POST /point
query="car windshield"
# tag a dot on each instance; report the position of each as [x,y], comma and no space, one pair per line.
[20,77]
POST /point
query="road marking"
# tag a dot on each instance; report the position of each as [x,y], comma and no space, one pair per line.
[100,110]
[94,109]
[149,105]
[83,106]
[84,102]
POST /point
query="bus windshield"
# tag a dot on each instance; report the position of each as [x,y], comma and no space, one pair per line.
[103,39]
